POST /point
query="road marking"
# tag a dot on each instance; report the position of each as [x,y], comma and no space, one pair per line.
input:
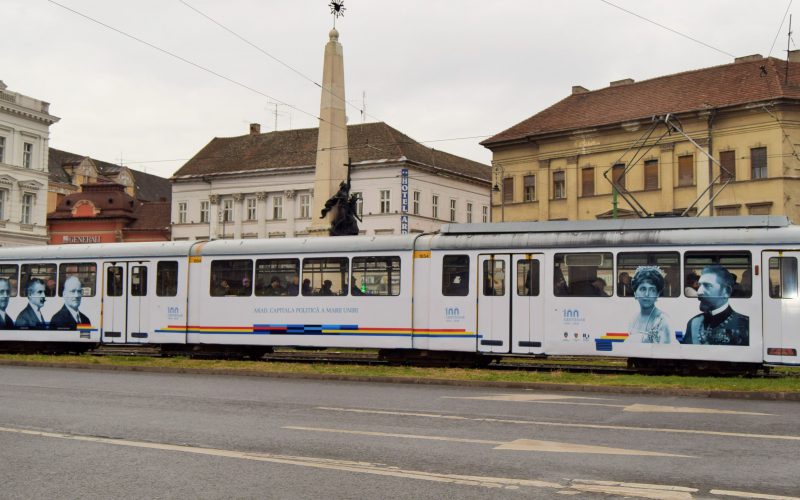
[688,409]
[562,424]
[554,399]
[744,494]
[575,486]
[518,444]
[524,397]
[639,490]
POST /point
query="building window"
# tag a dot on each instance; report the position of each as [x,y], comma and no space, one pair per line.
[686,170]
[250,203]
[182,212]
[529,187]
[27,208]
[485,213]
[651,175]
[758,163]
[2,149]
[27,154]
[559,188]
[587,181]
[305,206]
[469,212]
[759,208]
[618,174]
[226,214]
[204,211]
[277,207]
[386,201]
[452,210]
[727,160]
[435,207]
[415,204]
[359,204]
[508,190]
[3,198]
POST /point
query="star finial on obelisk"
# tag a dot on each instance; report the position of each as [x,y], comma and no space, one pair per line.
[337,9]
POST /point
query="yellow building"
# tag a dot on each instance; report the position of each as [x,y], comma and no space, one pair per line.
[557,164]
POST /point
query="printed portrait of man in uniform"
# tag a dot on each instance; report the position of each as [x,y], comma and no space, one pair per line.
[718,324]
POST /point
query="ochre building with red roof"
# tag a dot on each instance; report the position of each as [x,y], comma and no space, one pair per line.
[557,164]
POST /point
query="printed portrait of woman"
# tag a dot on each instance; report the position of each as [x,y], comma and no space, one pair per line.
[650,325]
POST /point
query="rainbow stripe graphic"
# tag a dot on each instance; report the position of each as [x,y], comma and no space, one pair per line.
[606,342]
[303,329]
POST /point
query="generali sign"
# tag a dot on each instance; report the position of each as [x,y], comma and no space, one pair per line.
[81,239]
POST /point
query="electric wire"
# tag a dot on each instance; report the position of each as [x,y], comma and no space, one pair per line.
[779,28]
[667,28]
[191,63]
[284,64]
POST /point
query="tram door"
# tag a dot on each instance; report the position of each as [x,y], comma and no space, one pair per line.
[527,305]
[781,306]
[494,303]
[126,302]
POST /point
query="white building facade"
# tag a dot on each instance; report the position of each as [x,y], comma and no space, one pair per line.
[261,186]
[24,137]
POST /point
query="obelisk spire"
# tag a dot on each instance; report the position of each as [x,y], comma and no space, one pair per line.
[332,152]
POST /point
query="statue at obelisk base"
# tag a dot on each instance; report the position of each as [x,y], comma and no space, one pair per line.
[345,212]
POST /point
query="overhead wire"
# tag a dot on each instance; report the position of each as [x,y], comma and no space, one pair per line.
[779,28]
[279,61]
[191,63]
[667,28]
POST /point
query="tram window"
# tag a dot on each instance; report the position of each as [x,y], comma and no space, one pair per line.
[455,275]
[494,277]
[375,276]
[138,281]
[167,278]
[667,265]
[86,272]
[583,274]
[528,277]
[114,286]
[231,278]
[738,264]
[783,277]
[326,276]
[10,272]
[46,273]
[277,277]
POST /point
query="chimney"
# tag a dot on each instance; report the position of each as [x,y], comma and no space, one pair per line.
[577,89]
[794,56]
[255,128]
[624,81]
[752,57]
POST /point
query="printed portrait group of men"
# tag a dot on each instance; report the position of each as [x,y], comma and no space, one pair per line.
[31,318]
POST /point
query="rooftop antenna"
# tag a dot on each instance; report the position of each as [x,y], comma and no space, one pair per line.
[363,106]
[788,41]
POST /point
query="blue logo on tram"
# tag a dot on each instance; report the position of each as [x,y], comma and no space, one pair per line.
[572,316]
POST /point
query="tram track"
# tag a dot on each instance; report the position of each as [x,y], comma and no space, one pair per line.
[609,366]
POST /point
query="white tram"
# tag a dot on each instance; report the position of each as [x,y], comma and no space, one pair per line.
[702,290]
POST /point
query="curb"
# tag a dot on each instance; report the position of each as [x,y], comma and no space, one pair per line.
[657,391]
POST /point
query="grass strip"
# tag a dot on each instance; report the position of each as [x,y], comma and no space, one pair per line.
[787,384]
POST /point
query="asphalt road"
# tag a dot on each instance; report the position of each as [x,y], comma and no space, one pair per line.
[98,434]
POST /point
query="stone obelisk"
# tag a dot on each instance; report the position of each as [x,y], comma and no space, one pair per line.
[332,152]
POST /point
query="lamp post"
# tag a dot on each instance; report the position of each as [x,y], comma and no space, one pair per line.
[498,188]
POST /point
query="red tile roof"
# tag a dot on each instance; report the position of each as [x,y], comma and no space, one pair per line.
[288,149]
[736,84]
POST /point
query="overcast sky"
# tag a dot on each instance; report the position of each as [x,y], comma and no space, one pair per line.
[435,70]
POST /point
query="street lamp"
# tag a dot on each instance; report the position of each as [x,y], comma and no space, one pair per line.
[498,188]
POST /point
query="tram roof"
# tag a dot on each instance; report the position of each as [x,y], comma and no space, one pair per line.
[99,251]
[648,224]
[340,244]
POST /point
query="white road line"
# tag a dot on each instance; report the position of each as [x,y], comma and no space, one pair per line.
[552,400]
[562,424]
[517,445]
[745,494]
[575,487]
